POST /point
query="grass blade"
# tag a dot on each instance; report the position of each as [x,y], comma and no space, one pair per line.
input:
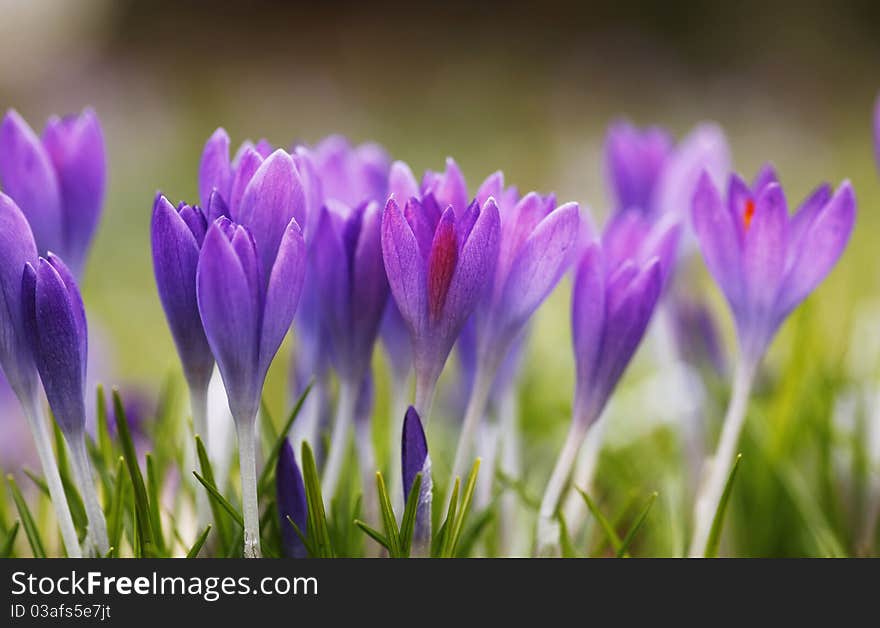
[197,546]
[317,518]
[27,520]
[446,528]
[155,510]
[221,501]
[389,521]
[628,539]
[146,543]
[610,533]
[463,508]
[408,521]
[714,541]
[375,535]
[6,549]
[208,474]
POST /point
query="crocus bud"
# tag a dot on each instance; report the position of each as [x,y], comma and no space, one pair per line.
[291,499]
[246,317]
[17,248]
[351,175]
[415,459]
[57,181]
[55,321]
[177,235]
[448,188]
[765,261]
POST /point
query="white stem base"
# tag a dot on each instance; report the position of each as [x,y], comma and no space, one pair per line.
[96,536]
[338,443]
[246,429]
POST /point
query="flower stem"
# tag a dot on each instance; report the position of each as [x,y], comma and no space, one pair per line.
[547,537]
[476,408]
[575,510]
[338,441]
[425,389]
[33,410]
[198,398]
[248,467]
[709,496]
[96,537]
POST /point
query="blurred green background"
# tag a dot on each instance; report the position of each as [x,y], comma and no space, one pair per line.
[529,90]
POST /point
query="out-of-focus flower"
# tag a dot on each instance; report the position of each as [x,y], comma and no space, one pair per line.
[55,326]
[438,265]
[177,236]
[634,160]
[765,261]
[58,180]
[611,308]
[415,460]
[630,236]
[246,311]
[696,336]
[351,175]
[291,500]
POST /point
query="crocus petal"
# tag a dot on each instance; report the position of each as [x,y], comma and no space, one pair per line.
[77,307]
[765,249]
[765,176]
[58,351]
[538,267]
[283,292]
[633,162]
[331,268]
[819,248]
[272,198]
[442,264]
[805,215]
[175,261]
[291,500]
[404,265]
[395,337]
[17,248]
[28,177]
[230,318]
[75,146]
[450,188]
[492,187]
[401,182]
[476,265]
[719,239]
[215,171]
[247,166]
[588,315]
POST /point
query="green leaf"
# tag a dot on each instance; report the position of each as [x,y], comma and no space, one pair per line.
[77,510]
[146,543]
[302,537]
[408,521]
[155,504]
[215,495]
[610,533]
[389,521]
[105,442]
[375,535]
[446,529]
[6,548]
[565,545]
[208,474]
[464,507]
[197,546]
[317,529]
[472,532]
[27,520]
[116,520]
[714,541]
[628,539]
[265,482]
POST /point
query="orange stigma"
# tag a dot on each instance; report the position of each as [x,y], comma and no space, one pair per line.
[748,213]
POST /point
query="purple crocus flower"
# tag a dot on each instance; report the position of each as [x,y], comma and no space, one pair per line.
[246,310]
[58,180]
[438,265]
[351,175]
[415,460]
[291,500]
[17,249]
[611,308]
[634,161]
[55,325]
[765,262]
[536,247]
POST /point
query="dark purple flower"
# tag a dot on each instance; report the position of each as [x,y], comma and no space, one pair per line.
[17,248]
[765,261]
[246,310]
[291,500]
[415,460]
[57,181]
[438,265]
[177,235]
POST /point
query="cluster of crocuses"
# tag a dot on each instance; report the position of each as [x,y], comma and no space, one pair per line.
[346,247]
